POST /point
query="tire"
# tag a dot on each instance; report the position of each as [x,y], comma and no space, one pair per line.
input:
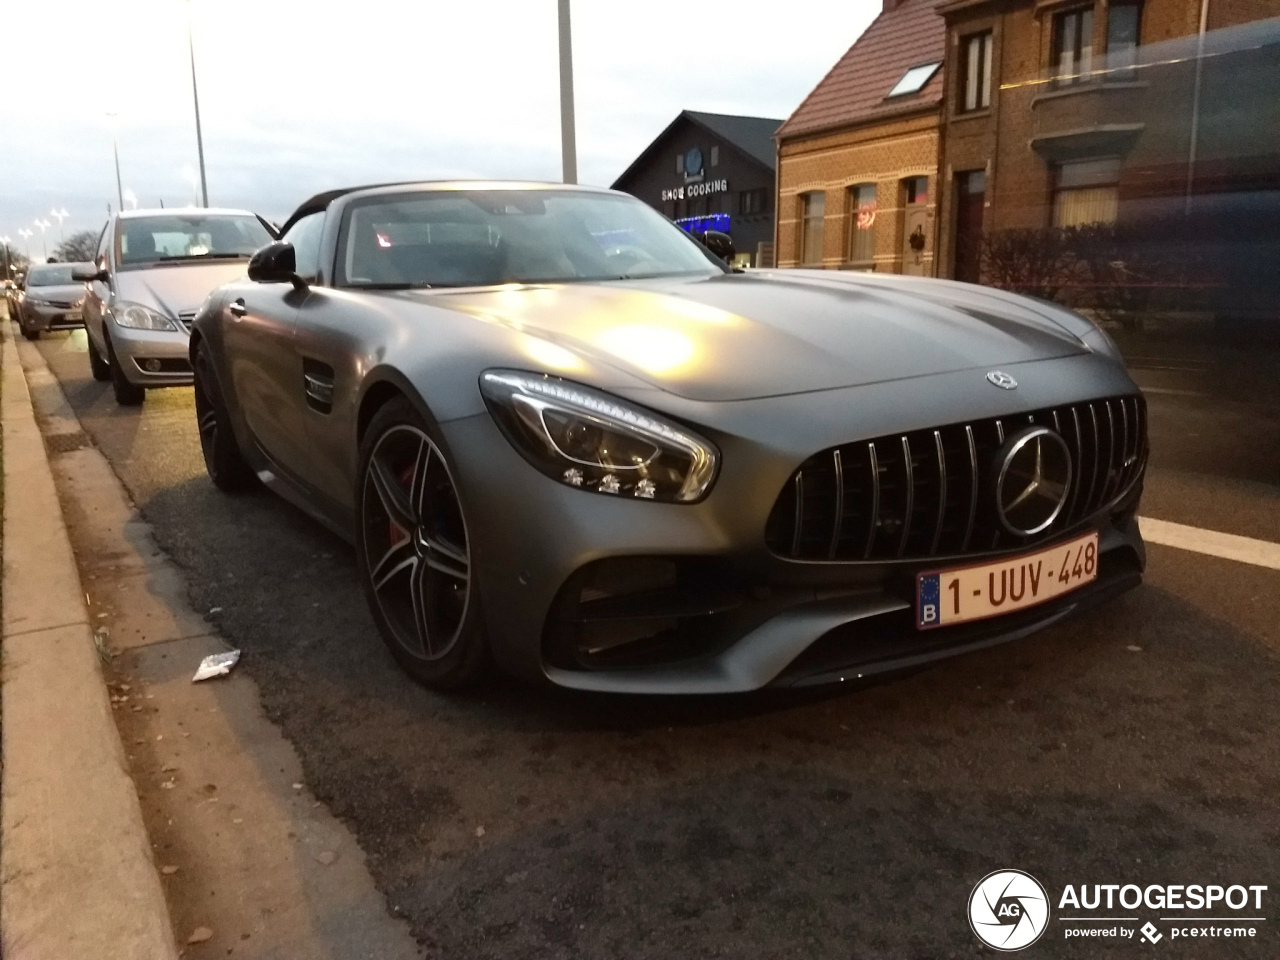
[31,333]
[223,460]
[100,369]
[411,544]
[127,394]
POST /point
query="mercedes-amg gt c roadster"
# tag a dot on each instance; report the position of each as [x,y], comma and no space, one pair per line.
[566,439]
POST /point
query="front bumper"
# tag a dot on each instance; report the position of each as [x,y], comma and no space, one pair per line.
[563,574]
[41,316]
[152,358]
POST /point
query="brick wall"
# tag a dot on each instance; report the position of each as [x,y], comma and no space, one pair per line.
[883,154]
[1008,141]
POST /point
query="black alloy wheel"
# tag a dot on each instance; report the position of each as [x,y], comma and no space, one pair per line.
[99,367]
[127,394]
[223,460]
[414,554]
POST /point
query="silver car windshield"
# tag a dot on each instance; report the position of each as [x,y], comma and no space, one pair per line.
[478,237]
[150,240]
[59,276]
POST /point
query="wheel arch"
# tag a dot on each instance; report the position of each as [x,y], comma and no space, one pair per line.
[383,385]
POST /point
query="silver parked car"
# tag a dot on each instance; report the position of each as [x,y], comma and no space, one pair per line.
[564,437]
[49,299]
[153,270]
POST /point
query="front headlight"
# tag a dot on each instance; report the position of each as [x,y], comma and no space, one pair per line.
[591,440]
[137,317]
[37,301]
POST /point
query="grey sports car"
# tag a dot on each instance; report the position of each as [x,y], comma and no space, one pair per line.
[566,439]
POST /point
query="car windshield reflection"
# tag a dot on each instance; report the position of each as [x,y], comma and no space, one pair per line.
[478,237]
[159,239]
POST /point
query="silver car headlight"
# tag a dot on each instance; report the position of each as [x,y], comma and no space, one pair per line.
[594,441]
[37,301]
[137,317]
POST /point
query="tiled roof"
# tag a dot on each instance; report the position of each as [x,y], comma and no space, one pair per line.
[854,90]
[752,135]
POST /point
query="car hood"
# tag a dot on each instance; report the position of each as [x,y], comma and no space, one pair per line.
[62,292]
[177,288]
[760,334]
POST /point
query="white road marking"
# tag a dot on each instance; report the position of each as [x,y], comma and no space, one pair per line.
[1260,553]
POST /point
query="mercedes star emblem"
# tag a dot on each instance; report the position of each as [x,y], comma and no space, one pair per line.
[1002,380]
[1033,482]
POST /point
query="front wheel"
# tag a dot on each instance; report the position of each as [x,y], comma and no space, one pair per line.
[127,394]
[31,333]
[100,369]
[223,460]
[414,554]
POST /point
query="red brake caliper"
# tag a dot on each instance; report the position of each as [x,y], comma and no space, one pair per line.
[398,535]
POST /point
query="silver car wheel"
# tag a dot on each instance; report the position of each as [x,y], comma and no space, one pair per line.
[415,540]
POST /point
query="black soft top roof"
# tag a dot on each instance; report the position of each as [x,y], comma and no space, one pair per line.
[321,201]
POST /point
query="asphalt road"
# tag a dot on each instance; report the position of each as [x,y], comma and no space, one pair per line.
[1135,744]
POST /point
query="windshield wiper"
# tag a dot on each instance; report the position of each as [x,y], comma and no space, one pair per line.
[204,256]
[391,286]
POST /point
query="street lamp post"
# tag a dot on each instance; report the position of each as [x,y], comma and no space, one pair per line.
[195,99]
[61,215]
[568,136]
[115,150]
[44,242]
[26,236]
[8,259]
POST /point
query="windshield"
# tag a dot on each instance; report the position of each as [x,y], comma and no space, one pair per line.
[480,237]
[198,236]
[59,276]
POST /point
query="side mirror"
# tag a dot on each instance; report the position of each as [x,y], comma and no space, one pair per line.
[275,263]
[87,273]
[721,244]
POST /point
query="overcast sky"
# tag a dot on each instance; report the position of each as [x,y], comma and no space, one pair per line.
[297,97]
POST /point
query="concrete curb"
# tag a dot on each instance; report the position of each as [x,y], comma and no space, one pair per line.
[76,873]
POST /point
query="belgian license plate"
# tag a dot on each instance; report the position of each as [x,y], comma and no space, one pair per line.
[73,316]
[982,590]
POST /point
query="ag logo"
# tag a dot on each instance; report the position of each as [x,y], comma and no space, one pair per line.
[1008,910]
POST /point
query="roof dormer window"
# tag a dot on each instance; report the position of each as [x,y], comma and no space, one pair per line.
[913,80]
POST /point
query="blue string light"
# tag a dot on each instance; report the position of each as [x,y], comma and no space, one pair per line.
[711,221]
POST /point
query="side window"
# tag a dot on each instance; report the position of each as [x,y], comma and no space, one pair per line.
[305,237]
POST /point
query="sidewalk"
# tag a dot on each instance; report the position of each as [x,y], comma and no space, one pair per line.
[252,865]
[76,873]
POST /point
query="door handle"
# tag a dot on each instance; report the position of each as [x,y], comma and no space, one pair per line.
[237,308]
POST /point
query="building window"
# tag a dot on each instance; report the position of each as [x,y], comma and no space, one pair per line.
[680,163]
[715,156]
[913,80]
[752,201]
[1085,192]
[1072,46]
[916,189]
[1124,20]
[813,209]
[975,72]
[862,226]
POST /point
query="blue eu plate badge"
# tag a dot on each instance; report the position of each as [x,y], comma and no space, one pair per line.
[928,602]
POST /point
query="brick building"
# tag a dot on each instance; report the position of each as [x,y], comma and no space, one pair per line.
[1061,114]
[999,114]
[858,160]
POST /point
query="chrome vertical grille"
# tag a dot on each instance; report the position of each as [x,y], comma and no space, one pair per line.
[930,492]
